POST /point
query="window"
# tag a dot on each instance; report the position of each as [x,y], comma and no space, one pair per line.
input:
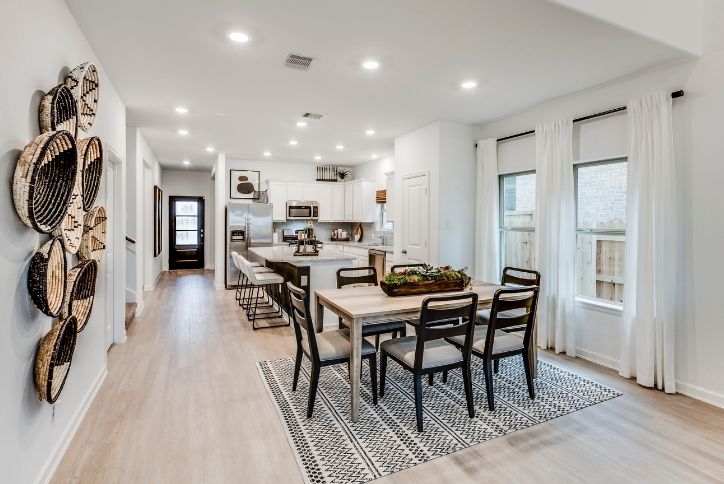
[187,223]
[517,220]
[601,229]
[382,222]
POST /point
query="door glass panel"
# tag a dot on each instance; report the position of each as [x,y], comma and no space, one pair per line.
[186,223]
[186,208]
[187,237]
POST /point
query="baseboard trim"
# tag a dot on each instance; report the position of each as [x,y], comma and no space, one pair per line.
[699,393]
[139,308]
[152,287]
[598,358]
[46,473]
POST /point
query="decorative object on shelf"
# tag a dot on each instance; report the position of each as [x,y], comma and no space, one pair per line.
[262,197]
[358,233]
[80,292]
[425,280]
[83,82]
[93,241]
[58,111]
[44,180]
[70,230]
[244,184]
[52,361]
[343,173]
[157,220]
[327,173]
[47,277]
[90,161]
[381,196]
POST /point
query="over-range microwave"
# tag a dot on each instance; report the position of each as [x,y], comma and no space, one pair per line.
[302,210]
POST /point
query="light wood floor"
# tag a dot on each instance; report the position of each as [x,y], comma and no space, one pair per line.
[183,403]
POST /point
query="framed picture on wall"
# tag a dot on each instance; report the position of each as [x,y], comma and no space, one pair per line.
[157,220]
[244,184]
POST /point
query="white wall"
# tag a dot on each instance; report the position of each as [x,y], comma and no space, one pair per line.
[375,171]
[31,436]
[699,145]
[191,184]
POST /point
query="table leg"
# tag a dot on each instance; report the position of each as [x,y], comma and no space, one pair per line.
[355,365]
[318,315]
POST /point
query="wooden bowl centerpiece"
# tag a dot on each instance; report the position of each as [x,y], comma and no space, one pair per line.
[425,280]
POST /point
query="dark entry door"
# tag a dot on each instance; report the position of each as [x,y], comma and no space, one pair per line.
[186,232]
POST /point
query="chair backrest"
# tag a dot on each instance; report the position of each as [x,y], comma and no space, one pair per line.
[303,324]
[514,276]
[348,276]
[234,259]
[520,303]
[248,269]
[404,267]
[445,308]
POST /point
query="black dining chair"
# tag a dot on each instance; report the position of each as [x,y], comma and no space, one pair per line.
[429,352]
[367,276]
[322,349]
[491,343]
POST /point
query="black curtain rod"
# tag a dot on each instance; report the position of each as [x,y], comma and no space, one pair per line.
[674,95]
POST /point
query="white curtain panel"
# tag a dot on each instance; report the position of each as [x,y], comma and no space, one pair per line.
[487,235]
[555,234]
[650,289]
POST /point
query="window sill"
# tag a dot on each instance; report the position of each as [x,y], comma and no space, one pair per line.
[598,305]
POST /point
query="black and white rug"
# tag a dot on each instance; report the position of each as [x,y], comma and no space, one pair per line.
[331,449]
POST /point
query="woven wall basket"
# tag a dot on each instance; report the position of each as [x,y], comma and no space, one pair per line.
[52,361]
[83,83]
[44,180]
[58,111]
[80,292]
[47,277]
[93,242]
[71,229]
[90,158]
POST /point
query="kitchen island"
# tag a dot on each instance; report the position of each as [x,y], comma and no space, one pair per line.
[310,272]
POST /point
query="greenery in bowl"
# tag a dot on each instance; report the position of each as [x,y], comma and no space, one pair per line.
[428,273]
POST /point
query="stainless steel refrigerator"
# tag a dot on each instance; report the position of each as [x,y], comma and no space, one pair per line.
[247,225]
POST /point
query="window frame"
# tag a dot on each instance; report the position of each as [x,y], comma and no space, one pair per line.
[502,229]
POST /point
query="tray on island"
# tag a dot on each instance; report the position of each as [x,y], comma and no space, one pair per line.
[304,254]
[421,287]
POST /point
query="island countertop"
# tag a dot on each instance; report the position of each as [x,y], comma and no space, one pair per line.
[279,253]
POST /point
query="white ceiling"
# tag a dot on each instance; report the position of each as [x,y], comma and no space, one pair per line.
[164,53]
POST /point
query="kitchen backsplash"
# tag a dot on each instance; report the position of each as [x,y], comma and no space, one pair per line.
[324,230]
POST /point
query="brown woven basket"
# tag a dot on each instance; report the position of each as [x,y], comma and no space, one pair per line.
[93,242]
[71,229]
[47,277]
[44,180]
[84,84]
[90,159]
[58,111]
[80,292]
[52,361]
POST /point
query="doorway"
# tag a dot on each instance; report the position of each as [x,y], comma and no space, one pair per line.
[416,214]
[186,233]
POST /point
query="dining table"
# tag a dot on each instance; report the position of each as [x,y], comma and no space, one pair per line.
[364,305]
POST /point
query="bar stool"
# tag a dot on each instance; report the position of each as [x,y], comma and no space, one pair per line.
[263,285]
[242,282]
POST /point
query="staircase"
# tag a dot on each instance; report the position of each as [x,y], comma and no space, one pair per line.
[130,313]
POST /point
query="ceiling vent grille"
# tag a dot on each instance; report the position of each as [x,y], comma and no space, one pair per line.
[298,62]
[312,115]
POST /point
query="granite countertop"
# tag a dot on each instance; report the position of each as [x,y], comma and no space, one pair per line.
[365,245]
[278,253]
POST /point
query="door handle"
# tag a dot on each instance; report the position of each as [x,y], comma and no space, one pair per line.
[404,251]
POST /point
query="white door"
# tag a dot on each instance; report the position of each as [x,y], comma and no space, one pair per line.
[108,259]
[295,191]
[325,203]
[416,214]
[338,203]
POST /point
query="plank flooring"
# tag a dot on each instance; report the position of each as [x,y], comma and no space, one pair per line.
[183,403]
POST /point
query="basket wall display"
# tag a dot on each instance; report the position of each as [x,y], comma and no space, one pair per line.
[71,229]
[84,84]
[93,242]
[47,277]
[58,111]
[52,361]
[80,292]
[44,180]
[90,161]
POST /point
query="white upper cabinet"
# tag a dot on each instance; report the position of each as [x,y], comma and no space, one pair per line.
[361,206]
[390,203]
[278,198]
[310,192]
[348,202]
[324,197]
[337,202]
[295,191]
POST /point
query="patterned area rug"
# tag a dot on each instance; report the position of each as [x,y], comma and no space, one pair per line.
[331,449]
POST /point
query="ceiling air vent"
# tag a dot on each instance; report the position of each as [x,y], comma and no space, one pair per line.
[298,62]
[312,115]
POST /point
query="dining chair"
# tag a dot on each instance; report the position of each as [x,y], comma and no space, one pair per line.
[428,352]
[263,286]
[351,277]
[322,349]
[491,343]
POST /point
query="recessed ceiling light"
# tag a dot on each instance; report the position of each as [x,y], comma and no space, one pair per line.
[318,157]
[183,132]
[221,114]
[293,142]
[468,84]
[374,156]
[181,109]
[339,147]
[239,37]
[267,153]
[210,149]
[186,162]
[370,132]
[370,64]
[301,124]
